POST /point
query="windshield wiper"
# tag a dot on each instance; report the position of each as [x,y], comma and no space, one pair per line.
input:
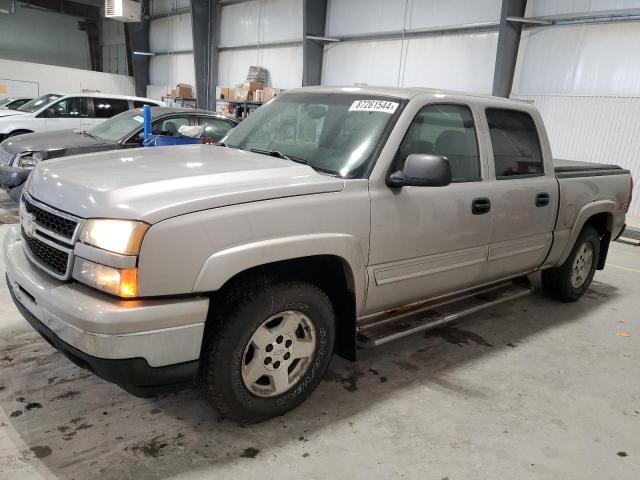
[222,144]
[277,154]
[84,132]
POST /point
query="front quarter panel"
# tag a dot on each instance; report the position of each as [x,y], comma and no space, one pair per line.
[200,251]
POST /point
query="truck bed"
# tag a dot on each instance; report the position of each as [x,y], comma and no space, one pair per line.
[573,168]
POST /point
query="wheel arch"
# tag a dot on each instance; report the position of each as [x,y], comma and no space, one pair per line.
[334,263]
[600,215]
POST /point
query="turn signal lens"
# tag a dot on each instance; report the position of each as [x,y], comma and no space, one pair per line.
[120,282]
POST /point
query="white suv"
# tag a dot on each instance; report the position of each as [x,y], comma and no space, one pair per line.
[59,112]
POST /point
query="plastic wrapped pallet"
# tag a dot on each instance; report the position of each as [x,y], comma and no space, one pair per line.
[257,74]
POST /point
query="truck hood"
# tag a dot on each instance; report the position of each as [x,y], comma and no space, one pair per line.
[58,142]
[152,184]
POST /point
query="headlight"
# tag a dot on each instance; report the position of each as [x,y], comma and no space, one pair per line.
[29,159]
[118,236]
[121,282]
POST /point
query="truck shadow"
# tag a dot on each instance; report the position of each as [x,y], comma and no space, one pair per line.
[66,423]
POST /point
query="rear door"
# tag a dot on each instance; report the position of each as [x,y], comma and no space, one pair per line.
[524,194]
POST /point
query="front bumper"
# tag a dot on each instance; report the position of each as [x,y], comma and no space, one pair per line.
[11,177]
[145,346]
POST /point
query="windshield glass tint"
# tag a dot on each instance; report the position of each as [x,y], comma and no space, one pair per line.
[333,132]
[37,103]
[120,126]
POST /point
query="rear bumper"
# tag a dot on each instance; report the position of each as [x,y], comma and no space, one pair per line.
[110,337]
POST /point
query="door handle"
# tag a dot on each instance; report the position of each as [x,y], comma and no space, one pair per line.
[480,206]
[542,200]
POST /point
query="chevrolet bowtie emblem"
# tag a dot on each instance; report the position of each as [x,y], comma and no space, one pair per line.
[29,224]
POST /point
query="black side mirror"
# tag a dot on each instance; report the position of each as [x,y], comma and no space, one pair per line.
[422,170]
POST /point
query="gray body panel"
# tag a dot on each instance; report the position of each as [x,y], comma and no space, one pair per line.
[216,212]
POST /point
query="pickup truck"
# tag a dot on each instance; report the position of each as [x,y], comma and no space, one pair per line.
[331,219]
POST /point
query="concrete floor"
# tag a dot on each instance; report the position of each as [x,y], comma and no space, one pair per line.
[532,389]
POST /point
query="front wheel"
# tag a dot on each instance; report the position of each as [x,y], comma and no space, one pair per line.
[270,352]
[569,281]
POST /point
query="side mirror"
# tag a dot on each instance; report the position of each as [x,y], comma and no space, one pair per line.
[422,170]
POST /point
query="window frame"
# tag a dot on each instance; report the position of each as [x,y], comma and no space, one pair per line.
[469,107]
[490,141]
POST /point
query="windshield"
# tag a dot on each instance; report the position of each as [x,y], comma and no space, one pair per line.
[333,132]
[4,101]
[37,103]
[121,125]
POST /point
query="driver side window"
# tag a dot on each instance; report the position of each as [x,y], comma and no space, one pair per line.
[447,130]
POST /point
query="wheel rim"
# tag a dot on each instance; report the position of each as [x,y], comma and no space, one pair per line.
[582,265]
[278,353]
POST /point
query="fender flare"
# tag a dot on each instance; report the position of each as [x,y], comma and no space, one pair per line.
[586,212]
[225,264]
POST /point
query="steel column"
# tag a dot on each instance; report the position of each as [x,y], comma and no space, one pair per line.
[205,16]
[314,16]
[137,40]
[508,43]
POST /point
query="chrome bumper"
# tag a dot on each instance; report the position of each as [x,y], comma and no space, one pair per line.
[162,332]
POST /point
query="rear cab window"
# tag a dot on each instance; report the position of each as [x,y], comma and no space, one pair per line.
[515,143]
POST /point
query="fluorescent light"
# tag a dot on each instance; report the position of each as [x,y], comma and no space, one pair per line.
[145,54]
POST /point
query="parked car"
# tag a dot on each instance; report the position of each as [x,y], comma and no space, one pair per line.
[18,155]
[11,103]
[59,112]
[331,218]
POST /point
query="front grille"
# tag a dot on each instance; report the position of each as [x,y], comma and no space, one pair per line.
[48,256]
[5,157]
[52,222]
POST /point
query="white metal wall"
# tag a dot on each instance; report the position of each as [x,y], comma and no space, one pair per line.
[53,79]
[585,79]
[458,61]
[540,8]
[168,35]
[257,22]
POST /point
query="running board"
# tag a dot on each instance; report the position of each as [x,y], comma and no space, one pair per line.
[391,325]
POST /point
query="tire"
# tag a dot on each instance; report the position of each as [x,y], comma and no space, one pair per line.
[245,334]
[563,283]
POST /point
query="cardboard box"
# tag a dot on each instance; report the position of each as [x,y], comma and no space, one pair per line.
[242,95]
[252,86]
[89,90]
[184,91]
[270,92]
[227,93]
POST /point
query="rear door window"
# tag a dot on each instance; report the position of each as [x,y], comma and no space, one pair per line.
[108,107]
[515,143]
[139,104]
[215,128]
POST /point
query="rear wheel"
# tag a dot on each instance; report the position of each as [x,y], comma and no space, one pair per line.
[569,281]
[269,352]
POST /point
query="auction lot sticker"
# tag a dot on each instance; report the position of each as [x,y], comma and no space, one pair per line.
[373,106]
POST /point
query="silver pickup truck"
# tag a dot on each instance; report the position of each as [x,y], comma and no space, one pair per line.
[331,219]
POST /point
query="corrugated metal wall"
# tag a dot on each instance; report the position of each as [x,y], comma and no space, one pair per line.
[593,129]
[456,62]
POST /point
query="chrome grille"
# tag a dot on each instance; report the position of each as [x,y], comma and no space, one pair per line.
[6,158]
[49,236]
[48,256]
[54,222]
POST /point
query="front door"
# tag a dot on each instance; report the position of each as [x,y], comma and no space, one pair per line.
[525,196]
[69,113]
[430,241]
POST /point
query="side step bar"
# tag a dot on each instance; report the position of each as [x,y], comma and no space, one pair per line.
[391,325]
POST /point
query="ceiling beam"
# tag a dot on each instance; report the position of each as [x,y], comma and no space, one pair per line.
[66,7]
